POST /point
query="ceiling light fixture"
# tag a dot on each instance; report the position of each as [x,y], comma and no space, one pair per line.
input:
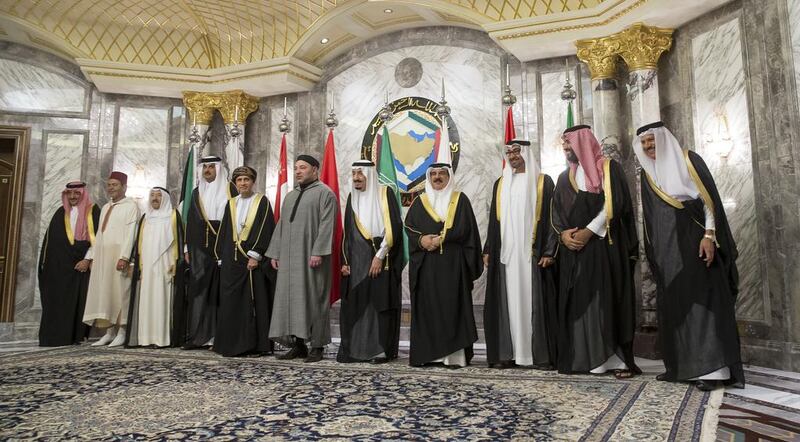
[388,11]
[325,40]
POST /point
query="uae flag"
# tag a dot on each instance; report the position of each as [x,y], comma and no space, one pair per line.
[330,178]
[283,181]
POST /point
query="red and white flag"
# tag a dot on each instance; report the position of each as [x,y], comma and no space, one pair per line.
[329,176]
[511,133]
[283,180]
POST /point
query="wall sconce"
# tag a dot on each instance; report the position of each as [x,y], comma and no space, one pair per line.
[717,138]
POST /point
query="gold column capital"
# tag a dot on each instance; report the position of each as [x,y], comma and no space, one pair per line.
[642,45]
[200,105]
[600,54]
[230,101]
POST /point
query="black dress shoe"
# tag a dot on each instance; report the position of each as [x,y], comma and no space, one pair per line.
[704,385]
[543,367]
[661,377]
[504,365]
[453,366]
[315,355]
[380,360]
[297,351]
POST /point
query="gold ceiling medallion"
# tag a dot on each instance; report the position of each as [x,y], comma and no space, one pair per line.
[641,46]
[231,104]
[601,55]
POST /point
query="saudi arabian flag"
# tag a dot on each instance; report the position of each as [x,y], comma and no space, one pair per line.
[388,177]
[570,116]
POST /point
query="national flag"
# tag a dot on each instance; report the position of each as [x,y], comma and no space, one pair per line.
[570,116]
[283,180]
[329,176]
[187,185]
[387,176]
[511,132]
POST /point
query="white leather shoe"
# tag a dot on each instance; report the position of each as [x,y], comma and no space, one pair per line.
[108,337]
[119,340]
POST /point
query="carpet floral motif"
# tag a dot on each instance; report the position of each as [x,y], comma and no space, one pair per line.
[115,394]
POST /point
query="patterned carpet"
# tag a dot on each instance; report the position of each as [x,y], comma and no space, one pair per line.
[116,394]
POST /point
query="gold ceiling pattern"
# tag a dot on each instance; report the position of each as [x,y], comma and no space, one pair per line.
[502,10]
[206,34]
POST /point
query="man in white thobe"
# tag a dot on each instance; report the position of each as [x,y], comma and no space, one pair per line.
[110,283]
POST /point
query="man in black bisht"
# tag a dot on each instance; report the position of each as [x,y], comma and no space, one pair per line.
[63,269]
[209,200]
[246,280]
[593,214]
[372,253]
[520,310]
[445,259]
[692,254]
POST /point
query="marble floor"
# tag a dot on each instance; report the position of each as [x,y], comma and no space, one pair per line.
[767,409]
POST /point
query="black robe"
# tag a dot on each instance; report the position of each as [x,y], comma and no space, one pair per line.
[442,320]
[63,288]
[696,304]
[245,297]
[177,335]
[369,320]
[596,299]
[202,275]
[544,315]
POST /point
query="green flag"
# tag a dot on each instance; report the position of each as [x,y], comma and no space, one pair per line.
[388,177]
[570,117]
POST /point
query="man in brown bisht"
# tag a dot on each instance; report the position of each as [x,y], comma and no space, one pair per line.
[373,260]
[593,214]
[110,283]
[64,269]
[692,253]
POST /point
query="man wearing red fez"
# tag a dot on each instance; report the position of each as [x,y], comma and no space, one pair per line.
[110,283]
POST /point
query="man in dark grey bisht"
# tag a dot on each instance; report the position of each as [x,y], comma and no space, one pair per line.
[301,253]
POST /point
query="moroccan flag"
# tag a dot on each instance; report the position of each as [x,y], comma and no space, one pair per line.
[388,177]
[511,133]
[570,116]
[330,178]
[187,186]
[283,180]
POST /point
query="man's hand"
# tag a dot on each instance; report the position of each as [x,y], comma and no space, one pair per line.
[314,261]
[486,260]
[569,241]
[425,242]
[436,242]
[186,257]
[345,270]
[274,263]
[546,261]
[582,236]
[707,251]
[375,268]
[252,264]
[83,265]
[122,265]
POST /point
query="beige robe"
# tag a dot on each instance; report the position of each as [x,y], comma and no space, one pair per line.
[109,289]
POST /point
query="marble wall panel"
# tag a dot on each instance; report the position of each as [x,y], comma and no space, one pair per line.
[28,88]
[794,30]
[722,136]
[142,147]
[63,161]
[473,80]
[553,122]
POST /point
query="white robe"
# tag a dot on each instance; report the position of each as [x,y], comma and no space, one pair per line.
[519,284]
[155,286]
[109,289]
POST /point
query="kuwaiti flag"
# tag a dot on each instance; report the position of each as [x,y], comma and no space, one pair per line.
[329,176]
[283,180]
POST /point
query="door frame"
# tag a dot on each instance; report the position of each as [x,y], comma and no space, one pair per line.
[22,135]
